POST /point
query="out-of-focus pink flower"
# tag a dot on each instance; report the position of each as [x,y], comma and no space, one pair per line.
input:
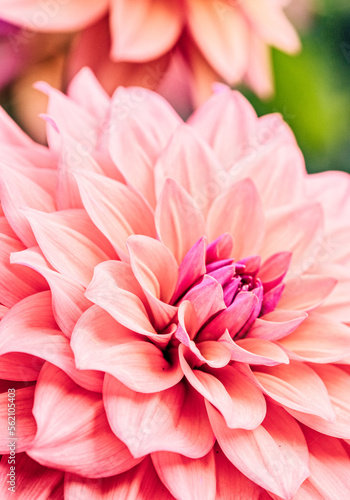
[175,302]
[219,39]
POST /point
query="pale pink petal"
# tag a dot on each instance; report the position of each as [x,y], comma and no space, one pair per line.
[254,351]
[226,122]
[140,117]
[69,241]
[139,483]
[318,339]
[239,401]
[179,222]
[187,478]
[93,451]
[231,484]
[274,269]
[337,383]
[276,325]
[20,366]
[32,480]
[266,455]
[336,304]
[306,292]
[236,211]
[133,28]
[86,91]
[61,16]
[221,33]
[115,209]
[29,327]
[68,299]
[22,421]
[100,343]
[16,282]
[172,420]
[329,467]
[192,163]
[259,75]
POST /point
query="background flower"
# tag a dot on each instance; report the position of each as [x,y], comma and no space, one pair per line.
[178,295]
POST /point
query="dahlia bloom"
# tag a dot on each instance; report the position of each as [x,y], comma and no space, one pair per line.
[219,39]
[175,302]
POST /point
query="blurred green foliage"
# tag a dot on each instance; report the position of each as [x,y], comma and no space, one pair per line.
[313,89]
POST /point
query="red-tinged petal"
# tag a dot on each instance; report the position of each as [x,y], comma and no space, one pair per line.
[337,383]
[69,241]
[32,480]
[329,467]
[231,484]
[20,366]
[191,269]
[306,292]
[255,351]
[93,451]
[133,35]
[318,339]
[63,16]
[100,343]
[16,282]
[115,209]
[187,478]
[179,222]
[276,325]
[232,212]
[274,269]
[23,420]
[18,190]
[172,420]
[29,327]
[295,229]
[139,483]
[221,33]
[154,266]
[296,386]
[86,91]
[191,162]
[68,299]
[267,455]
[239,401]
[140,117]
[226,121]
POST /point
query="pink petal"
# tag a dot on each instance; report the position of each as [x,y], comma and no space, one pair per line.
[139,483]
[219,249]
[226,121]
[68,299]
[172,420]
[276,325]
[29,327]
[141,117]
[179,222]
[337,383]
[231,484]
[306,291]
[235,210]
[318,339]
[86,91]
[191,162]
[239,401]
[32,480]
[100,343]
[187,478]
[274,269]
[23,420]
[336,304]
[58,233]
[93,449]
[64,16]
[295,386]
[255,351]
[20,366]
[115,209]
[133,31]
[16,282]
[266,455]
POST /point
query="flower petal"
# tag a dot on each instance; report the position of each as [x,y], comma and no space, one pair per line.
[306,292]
[276,324]
[254,351]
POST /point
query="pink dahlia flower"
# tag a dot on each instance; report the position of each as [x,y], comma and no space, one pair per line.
[227,39]
[175,302]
